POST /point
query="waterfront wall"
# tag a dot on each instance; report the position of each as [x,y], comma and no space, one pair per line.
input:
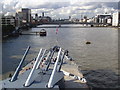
[7,29]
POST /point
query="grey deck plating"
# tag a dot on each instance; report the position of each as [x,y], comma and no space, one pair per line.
[39,82]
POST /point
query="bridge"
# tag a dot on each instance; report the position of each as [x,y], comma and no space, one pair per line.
[69,22]
[64,24]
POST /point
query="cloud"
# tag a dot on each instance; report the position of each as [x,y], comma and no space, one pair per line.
[54,5]
[61,8]
[112,4]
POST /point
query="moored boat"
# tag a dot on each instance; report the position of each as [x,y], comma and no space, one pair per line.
[43,32]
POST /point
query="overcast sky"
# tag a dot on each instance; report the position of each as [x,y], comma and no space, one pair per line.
[61,8]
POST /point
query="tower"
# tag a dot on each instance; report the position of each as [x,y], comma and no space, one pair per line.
[42,14]
[36,16]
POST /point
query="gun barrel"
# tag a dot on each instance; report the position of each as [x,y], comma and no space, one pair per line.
[14,77]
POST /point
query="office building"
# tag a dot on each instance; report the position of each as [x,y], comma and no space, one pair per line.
[116,19]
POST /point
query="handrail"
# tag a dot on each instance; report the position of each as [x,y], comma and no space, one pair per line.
[14,77]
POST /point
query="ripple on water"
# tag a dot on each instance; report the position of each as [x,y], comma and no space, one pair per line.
[101,78]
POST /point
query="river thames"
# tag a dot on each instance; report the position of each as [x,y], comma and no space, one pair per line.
[101,55]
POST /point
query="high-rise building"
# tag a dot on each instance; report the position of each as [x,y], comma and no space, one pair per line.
[23,17]
[102,18]
[26,15]
[8,20]
[116,19]
[19,18]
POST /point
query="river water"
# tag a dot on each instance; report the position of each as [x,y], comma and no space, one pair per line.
[96,60]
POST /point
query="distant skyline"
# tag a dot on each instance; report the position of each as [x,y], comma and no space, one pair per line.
[61,8]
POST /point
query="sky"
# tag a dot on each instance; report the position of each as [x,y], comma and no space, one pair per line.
[61,8]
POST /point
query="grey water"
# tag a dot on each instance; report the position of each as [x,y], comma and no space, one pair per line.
[96,60]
